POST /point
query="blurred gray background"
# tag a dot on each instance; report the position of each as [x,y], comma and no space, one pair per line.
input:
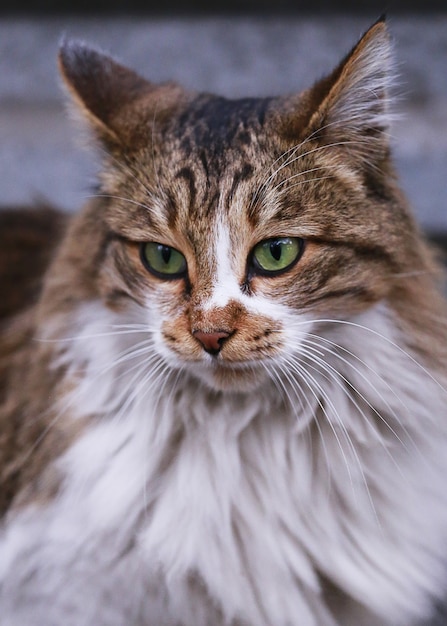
[249,54]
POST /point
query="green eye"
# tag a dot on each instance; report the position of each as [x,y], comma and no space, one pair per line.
[276,255]
[163,261]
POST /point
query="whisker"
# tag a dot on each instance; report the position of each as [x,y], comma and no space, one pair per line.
[91,336]
[382,380]
[122,165]
[310,180]
[298,175]
[334,375]
[308,379]
[310,345]
[263,187]
[135,349]
[304,373]
[387,340]
[145,392]
[291,157]
[311,410]
[122,198]
[284,387]
[136,389]
[376,333]
[151,376]
[71,400]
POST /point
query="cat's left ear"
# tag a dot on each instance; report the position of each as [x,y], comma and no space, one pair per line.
[119,104]
[351,107]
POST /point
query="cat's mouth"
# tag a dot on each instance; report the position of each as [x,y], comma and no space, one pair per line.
[223,376]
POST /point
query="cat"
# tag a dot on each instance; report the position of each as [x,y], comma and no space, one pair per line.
[223,383]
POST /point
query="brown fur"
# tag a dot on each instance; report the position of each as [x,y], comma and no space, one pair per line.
[29,238]
[175,160]
[28,241]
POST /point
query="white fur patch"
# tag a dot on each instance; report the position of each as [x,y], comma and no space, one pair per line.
[168,494]
[225,285]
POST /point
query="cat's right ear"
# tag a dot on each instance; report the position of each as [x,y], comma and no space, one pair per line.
[350,107]
[118,103]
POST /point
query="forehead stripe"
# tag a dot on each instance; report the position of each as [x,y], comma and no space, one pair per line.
[240,175]
[188,176]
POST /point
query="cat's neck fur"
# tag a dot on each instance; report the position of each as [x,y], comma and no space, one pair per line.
[189,466]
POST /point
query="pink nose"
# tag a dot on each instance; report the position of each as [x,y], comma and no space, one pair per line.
[212,342]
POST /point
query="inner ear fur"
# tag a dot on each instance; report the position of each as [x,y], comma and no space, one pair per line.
[351,106]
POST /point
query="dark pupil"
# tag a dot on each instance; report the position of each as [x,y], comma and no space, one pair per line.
[275,250]
[166,254]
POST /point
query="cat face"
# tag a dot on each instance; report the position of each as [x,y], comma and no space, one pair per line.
[236,224]
[236,259]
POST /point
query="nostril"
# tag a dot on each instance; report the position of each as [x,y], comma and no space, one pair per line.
[212,342]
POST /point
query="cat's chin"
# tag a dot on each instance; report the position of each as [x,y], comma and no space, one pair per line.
[227,378]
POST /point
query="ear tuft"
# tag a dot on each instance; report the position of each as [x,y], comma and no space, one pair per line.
[360,96]
[354,105]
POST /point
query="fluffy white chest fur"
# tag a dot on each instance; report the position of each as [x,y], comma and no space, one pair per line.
[252,504]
